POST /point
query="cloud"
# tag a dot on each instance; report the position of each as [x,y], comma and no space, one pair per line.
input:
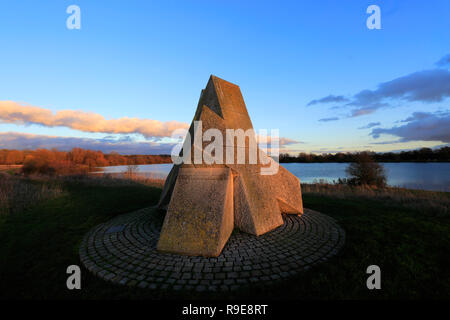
[367,110]
[417,116]
[370,125]
[12,112]
[22,141]
[286,141]
[388,142]
[427,86]
[326,150]
[328,119]
[282,141]
[107,144]
[444,61]
[328,99]
[422,86]
[117,139]
[421,126]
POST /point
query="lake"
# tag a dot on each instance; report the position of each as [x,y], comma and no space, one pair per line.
[413,175]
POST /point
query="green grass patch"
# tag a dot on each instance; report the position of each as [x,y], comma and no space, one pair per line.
[410,246]
[37,245]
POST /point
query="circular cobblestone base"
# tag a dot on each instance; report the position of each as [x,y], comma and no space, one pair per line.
[123,250]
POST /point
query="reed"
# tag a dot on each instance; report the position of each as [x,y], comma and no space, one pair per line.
[116,179]
[429,201]
[18,193]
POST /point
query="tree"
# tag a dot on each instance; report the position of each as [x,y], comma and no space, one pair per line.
[365,171]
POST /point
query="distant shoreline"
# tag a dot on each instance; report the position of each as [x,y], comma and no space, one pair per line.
[18,166]
[412,161]
[399,161]
[91,158]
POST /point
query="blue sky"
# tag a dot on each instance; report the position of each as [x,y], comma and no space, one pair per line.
[149,60]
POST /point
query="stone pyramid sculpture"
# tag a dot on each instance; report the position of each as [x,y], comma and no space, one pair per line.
[206,201]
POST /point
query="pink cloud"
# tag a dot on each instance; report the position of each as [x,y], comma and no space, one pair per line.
[22,141]
[13,112]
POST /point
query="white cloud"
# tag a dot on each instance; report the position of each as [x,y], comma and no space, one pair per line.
[12,112]
[22,141]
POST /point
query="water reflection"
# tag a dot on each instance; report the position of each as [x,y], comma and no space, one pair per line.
[426,176]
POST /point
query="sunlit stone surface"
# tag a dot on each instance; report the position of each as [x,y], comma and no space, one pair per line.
[204,202]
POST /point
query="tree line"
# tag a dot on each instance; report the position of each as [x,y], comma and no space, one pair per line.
[419,155]
[91,158]
[78,156]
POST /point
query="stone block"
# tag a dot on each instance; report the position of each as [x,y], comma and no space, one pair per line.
[205,201]
[199,218]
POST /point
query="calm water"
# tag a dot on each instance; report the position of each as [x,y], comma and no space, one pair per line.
[426,176]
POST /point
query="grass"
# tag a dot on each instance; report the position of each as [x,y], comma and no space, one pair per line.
[38,244]
[430,202]
[17,193]
[412,247]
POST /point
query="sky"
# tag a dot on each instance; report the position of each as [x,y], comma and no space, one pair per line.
[134,70]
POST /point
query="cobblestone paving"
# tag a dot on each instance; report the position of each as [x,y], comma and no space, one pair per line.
[123,251]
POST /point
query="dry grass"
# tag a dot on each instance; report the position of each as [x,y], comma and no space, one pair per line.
[10,168]
[117,179]
[18,193]
[429,201]
[4,167]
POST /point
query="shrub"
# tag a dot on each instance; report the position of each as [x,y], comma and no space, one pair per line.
[35,165]
[365,171]
[132,170]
